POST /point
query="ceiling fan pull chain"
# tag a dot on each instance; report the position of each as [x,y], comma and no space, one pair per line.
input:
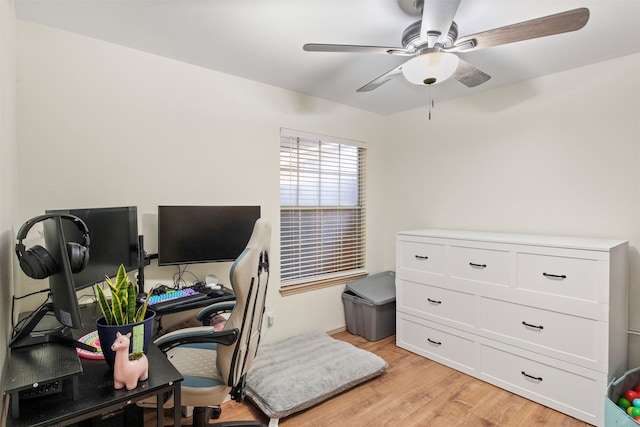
[431,104]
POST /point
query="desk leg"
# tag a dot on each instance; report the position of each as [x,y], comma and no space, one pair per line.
[15,404]
[177,404]
[160,409]
[75,392]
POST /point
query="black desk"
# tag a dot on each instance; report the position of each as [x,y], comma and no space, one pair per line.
[94,393]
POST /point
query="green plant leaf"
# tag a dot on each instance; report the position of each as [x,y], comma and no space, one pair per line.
[104,305]
[121,289]
[142,310]
[118,313]
[121,277]
[131,303]
[112,286]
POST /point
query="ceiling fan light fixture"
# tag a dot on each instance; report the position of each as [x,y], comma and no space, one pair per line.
[430,68]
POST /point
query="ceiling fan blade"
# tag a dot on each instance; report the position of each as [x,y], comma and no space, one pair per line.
[469,75]
[437,16]
[563,22]
[381,80]
[321,47]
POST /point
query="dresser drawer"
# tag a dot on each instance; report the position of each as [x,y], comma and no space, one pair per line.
[426,257]
[560,389]
[557,332]
[436,303]
[433,341]
[569,277]
[481,265]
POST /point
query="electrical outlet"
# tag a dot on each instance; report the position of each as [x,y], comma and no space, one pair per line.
[270,318]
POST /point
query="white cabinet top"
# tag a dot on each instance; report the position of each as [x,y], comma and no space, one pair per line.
[519,239]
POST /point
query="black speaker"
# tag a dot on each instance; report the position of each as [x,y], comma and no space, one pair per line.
[37,262]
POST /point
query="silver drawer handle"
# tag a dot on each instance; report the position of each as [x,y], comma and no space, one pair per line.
[432,301]
[539,327]
[421,257]
[474,265]
[434,342]
[531,376]
[554,276]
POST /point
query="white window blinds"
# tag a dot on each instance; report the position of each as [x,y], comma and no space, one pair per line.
[322,207]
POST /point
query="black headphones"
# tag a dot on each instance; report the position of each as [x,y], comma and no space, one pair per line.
[38,263]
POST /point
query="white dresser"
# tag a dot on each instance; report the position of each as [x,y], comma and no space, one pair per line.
[543,317]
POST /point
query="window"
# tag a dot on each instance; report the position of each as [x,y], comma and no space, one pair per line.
[322,210]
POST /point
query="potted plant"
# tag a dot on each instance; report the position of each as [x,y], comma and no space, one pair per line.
[122,314]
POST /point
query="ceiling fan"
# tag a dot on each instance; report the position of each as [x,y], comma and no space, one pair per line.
[433,44]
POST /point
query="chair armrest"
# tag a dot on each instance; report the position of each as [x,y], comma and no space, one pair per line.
[218,307]
[200,334]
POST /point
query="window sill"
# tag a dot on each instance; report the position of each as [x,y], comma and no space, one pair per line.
[319,284]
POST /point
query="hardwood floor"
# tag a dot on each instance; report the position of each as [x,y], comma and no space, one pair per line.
[412,392]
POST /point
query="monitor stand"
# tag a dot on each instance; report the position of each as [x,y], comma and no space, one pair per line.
[61,335]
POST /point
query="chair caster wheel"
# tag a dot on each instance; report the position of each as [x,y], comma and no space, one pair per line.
[216,412]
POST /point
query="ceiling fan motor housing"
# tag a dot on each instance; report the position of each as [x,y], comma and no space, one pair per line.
[411,39]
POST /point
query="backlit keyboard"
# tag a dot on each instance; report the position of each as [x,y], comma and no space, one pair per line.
[175,299]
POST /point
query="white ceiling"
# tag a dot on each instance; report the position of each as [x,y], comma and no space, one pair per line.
[262,40]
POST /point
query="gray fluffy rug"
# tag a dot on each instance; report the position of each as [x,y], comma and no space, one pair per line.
[299,372]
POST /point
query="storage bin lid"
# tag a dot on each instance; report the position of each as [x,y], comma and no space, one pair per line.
[378,288]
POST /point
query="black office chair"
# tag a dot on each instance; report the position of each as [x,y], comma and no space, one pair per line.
[214,363]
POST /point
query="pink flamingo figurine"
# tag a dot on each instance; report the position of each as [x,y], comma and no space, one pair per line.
[127,371]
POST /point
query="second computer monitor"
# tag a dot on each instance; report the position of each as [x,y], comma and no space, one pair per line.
[197,234]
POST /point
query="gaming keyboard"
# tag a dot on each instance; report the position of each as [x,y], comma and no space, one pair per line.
[174,299]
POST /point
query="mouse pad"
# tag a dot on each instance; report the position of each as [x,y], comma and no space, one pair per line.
[91,339]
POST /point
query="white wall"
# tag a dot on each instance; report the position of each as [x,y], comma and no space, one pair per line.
[104,125]
[8,175]
[8,171]
[556,155]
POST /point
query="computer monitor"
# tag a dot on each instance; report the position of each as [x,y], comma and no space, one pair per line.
[64,302]
[114,241]
[198,234]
